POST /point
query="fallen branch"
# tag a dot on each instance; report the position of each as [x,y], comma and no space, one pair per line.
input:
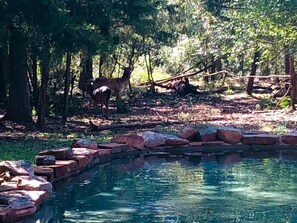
[130,125]
[176,77]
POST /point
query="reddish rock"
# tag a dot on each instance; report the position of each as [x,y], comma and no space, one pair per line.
[213,143]
[8,185]
[44,172]
[104,152]
[6,213]
[189,133]
[20,213]
[260,139]
[230,135]
[59,170]
[72,165]
[17,199]
[95,153]
[59,154]
[172,140]
[41,160]
[39,197]
[82,161]
[84,143]
[32,183]
[289,138]
[122,139]
[115,147]
[83,152]
[17,168]
[136,141]
[152,139]
[208,134]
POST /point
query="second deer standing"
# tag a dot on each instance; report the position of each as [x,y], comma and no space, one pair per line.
[117,85]
[102,87]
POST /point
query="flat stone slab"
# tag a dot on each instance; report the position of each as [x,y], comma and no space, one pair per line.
[84,143]
[114,147]
[59,169]
[41,160]
[82,160]
[213,143]
[30,183]
[260,139]
[72,165]
[59,154]
[44,171]
[289,138]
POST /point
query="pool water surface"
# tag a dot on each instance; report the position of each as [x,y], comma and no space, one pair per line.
[229,188]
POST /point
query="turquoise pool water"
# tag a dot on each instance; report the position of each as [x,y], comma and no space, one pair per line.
[229,188]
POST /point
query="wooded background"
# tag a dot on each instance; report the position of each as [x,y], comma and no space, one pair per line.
[49,47]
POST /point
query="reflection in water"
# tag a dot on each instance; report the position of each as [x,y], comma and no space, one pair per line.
[227,188]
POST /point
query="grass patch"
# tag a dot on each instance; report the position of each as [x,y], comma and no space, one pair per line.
[27,149]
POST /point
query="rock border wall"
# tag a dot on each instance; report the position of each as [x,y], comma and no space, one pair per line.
[24,186]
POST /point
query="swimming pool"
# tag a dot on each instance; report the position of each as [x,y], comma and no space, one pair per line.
[238,187]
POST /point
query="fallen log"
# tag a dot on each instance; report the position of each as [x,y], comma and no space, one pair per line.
[130,125]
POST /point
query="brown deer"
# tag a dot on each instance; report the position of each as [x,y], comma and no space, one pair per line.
[117,85]
[102,95]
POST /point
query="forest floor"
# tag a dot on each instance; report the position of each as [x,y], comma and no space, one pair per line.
[168,112]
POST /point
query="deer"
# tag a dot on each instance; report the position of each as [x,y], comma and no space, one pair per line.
[117,85]
[102,95]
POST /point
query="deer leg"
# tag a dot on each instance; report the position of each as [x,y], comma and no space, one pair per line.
[118,96]
[102,109]
[106,111]
[90,103]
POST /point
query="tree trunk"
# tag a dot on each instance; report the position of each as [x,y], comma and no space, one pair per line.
[150,69]
[86,63]
[293,82]
[3,76]
[241,64]
[102,60]
[287,64]
[18,109]
[250,84]
[66,88]
[43,94]
[35,83]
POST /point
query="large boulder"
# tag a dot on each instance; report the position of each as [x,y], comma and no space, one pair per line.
[17,168]
[152,139]
[207,134]
[229,135]
[173,140]
[189,133]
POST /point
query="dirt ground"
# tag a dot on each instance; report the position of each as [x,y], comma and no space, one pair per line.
[169,112]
